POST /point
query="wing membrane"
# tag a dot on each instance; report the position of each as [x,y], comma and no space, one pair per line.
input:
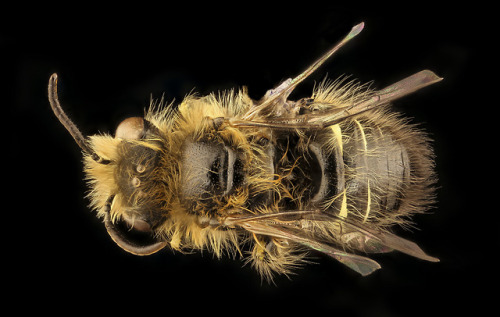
[395,91]
[377,240]
[360,264]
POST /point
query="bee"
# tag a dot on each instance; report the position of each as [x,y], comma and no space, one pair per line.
[269,180]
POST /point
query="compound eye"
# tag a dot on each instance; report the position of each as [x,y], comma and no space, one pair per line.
[131,129]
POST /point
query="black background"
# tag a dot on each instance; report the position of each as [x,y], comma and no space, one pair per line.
[110,60]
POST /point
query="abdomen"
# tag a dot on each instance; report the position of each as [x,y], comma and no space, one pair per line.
[375,168]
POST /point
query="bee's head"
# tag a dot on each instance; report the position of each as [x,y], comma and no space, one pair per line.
[122,175]
[132,186]
[137,207]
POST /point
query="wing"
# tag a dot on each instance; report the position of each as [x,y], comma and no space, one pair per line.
[371,239]
[275,111]
[333,114]
[286,225]
[274,101]
[360,264]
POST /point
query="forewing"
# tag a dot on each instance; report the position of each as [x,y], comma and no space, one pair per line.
[395,91]
[360,264]
[371,239]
